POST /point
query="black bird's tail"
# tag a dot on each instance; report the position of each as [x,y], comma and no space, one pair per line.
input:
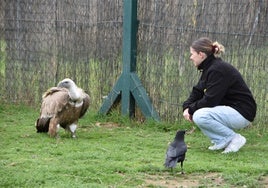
[170,162]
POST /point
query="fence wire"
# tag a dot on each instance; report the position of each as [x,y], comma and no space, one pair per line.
[42,42]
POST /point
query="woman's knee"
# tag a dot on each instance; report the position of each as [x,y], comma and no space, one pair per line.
[201,117]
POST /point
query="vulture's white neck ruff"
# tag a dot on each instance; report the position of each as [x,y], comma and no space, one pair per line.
[75,93]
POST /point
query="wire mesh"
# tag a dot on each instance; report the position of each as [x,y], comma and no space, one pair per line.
[45,41]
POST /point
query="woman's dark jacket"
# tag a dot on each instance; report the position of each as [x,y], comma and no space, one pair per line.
[221,84]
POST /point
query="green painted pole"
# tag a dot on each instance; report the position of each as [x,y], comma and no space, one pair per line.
[129,88]
[129,54]
[130,28]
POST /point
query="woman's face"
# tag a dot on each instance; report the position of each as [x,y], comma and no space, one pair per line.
[196,57]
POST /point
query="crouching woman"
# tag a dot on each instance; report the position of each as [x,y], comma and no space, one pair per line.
[221,102]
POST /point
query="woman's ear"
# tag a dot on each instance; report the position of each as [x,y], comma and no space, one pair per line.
[202,55]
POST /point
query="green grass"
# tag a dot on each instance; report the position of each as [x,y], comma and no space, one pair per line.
[112,151]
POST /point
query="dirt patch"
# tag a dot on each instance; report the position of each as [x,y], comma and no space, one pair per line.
[107,124]
[184,180]
[264,181]
[169,180]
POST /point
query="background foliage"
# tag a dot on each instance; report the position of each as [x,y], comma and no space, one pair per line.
[41,42]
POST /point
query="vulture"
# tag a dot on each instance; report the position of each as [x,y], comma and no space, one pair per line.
[176,151]
[62,106]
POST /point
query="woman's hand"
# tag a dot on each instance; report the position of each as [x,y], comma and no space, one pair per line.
[186,115]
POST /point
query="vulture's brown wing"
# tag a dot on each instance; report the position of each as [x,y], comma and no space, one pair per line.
[54,100]
[86,103]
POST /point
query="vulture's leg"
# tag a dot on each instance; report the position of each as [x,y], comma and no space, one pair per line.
[72,128]
[53,127]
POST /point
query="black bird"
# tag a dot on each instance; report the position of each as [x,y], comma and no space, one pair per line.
[176,151]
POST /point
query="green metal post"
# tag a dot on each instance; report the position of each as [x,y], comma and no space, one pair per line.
[129,54]
[128,87]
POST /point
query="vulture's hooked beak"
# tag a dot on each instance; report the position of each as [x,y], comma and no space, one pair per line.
[60,84]
[67,83]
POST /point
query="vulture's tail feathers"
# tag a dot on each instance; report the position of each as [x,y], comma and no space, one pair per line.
[42,124]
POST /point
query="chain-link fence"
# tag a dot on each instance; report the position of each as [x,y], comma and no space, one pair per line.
[45,41]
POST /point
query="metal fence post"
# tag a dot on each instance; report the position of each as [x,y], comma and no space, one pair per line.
[128,88]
